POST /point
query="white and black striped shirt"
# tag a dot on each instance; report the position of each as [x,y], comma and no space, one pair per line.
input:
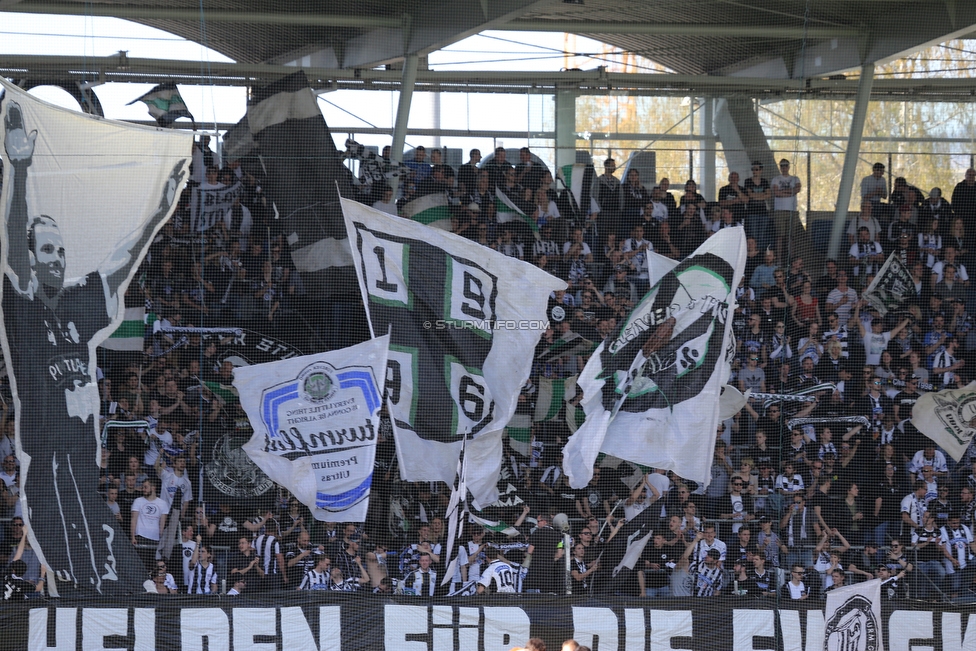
[314,580]
[268,548]
[203,580]
[709,580]
[415,583]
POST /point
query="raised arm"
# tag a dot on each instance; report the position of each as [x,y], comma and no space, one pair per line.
[19,145]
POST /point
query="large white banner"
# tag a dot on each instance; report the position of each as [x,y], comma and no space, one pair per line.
[316,420]
[82,199]
[948,418]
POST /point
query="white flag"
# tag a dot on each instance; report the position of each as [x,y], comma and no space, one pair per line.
[948,418]
[652,391]
[316,420]
[852,618]
[464,322]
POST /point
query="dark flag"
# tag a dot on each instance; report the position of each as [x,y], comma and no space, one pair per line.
[164,104]
[291,151]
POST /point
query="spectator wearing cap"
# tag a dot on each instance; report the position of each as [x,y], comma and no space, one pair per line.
[706,570]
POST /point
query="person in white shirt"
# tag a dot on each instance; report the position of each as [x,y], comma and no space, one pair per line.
[174,481]
[913,507]
[958,548]
[635,250]
[797,589]
[929,456]
[148,521]
[785,187]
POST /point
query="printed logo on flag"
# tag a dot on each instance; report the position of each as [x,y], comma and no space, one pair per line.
[316,424]
[958,416]
[853,627]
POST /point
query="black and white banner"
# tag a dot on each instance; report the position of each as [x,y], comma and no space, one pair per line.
[332,621]
[315,424]
[652,391]
[464,322]
[210,203]
[82,199]
[892,287]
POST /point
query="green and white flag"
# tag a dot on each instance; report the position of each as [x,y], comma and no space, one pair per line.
[430,210]
[551,396]
[131,333]
[652,391]
[519,430]
[507,211]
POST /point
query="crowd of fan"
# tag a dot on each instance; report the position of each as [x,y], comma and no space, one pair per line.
[791,509]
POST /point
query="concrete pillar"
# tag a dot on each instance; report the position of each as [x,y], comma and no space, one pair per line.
[565,127]
[850,160]
[403,112]
[706,181]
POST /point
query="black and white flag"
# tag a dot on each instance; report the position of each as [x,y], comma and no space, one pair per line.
[82,199]
[652,391]
[892,287]
[464,321]
[852,618]
[287,145]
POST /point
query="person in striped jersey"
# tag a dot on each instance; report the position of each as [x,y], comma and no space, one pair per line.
[272,560]
[707,575]
[203,573]
[317,578]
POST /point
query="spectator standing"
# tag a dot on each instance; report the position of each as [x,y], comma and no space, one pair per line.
[785,187]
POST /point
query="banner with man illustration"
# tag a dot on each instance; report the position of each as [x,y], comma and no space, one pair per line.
[82,199]
[315,422]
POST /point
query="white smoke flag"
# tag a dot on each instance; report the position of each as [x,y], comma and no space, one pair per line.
[652,391]
[948,418]
[315,422]
[852,618]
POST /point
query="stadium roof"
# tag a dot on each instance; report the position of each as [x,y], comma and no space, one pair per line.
[769,39]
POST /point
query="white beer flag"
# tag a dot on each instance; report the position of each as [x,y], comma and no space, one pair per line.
[316,420]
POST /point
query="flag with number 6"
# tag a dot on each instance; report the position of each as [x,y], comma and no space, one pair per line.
[464,321]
